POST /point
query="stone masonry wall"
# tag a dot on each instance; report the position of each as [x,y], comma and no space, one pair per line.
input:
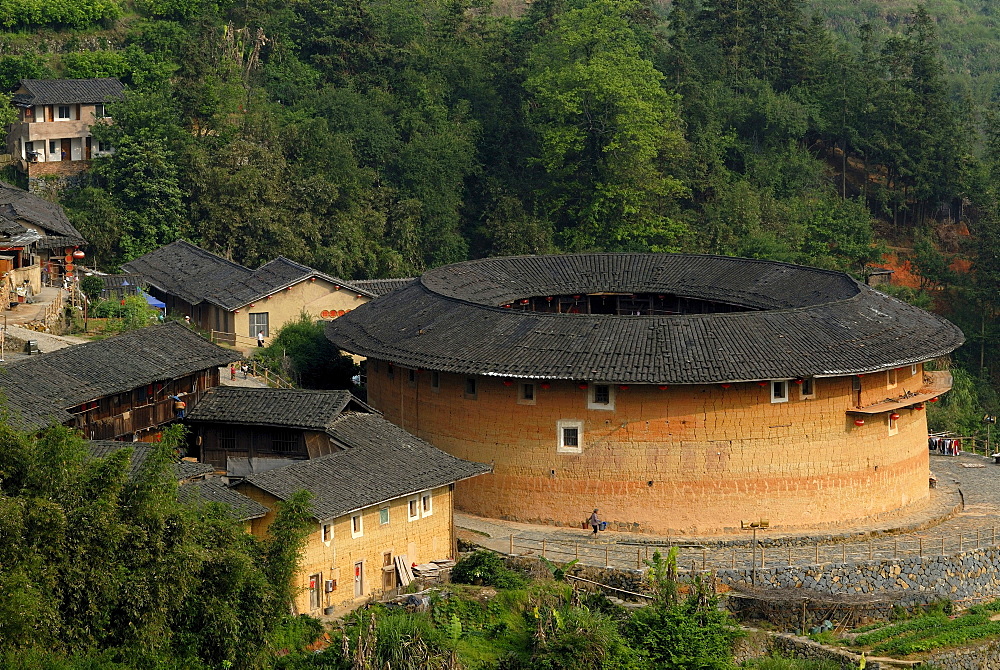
[984,656]
[691,460]
[758,644]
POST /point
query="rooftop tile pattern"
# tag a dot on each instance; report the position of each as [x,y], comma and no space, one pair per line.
[384,462]
[214,491]
[19,207]
[41,387]
[380,287]
[140,452]
[195,275]
[68,91]
[293,408]
[807,322]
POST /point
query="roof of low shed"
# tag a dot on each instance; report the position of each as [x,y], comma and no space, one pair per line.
[41,388]
[196,275]
[68,91]
[213,490]
[17,205]
[141,451]
[383,462]
[292,408]
[803,322]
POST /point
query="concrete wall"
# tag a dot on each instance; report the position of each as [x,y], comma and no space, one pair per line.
[691,459]
[426,538]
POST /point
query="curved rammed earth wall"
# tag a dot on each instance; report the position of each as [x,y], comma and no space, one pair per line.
[685,460]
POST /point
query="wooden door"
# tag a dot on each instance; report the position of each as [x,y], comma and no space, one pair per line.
[88,148]
[67,149]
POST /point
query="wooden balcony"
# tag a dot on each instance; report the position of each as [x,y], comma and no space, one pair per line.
[934,384]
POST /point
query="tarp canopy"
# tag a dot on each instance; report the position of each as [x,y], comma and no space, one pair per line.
[153,302]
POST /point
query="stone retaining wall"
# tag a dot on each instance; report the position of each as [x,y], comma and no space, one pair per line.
[917,580]
[985,656]
[758,644]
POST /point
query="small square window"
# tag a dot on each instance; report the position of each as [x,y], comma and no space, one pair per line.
[357,525]
[63,111]
[426,504]
[570,434]
[807,389]
[601,396]
[913,370]
[413,509]
[52,147]
[526,393]
[99,110]
[436,380]
[383,516]
[470,387]
[327,532]
[890,378]
[779,391]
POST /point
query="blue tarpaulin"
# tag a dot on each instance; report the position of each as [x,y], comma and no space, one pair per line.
[153,302]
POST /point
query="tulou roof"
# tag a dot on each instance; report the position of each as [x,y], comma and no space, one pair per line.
[19,208]
[382,462]
[380,287]
[40,389]
[68,91]
[195,275]
[799,322]
[291,408]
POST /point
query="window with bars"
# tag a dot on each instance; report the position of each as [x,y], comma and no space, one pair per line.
[285,442]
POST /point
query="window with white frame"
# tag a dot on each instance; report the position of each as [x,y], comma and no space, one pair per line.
[570,437]
[426,504]
[526,393]
[99,110]
[63,112]
[357,525]
[913,370]
[413,508]
[779,390]
[326,531]
[383,516]
[807,389]
[258,323]
[601,396]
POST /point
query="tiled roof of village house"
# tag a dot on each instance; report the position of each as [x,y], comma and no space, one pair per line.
[806,322]
[41,387]
[17,205]
[383,462]
[293,408]
[195,275]
[214,491]
[140,452]
[380,287]
[68,91]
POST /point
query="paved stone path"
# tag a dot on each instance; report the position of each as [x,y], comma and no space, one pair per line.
[249,382]
[929,530]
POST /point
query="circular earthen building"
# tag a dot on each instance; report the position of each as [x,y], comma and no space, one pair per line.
[680,394]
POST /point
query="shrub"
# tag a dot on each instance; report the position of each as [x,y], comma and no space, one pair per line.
[488,569]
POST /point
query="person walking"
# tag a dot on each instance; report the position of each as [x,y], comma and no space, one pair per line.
[232,371]
[245,368]
[260,338]
[594,522]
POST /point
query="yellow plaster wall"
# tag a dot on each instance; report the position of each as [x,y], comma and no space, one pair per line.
[686,459]
[422,540]
[311,297]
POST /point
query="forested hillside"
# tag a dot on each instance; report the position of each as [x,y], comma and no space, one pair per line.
[374,138]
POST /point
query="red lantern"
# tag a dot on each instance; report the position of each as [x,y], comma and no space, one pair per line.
[918,406]
[623,387]
[859,422]
[525,301]
[663,387]
[583,385]
[549,298]
[324,314]
[507,382]
[726,385]
[894,416]
[545,385]
[312,279]
[336,288]
[934,399]
[70,267]
[506,306]
[576,297]
[799,381]
[761,383]
[79,255]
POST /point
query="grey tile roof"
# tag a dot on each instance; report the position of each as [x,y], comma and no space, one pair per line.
[380,287]
[803,322]
[293,408]
[20,206]
[140,452]
[195,275]
[214,491]
[383,462]
[68,91]
[39,387]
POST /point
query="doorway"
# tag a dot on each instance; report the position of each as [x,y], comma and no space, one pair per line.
[359,579]
[67,149]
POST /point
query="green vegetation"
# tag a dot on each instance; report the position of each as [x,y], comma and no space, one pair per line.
[486,568]
[124,314]
[300,351]
[103,570]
